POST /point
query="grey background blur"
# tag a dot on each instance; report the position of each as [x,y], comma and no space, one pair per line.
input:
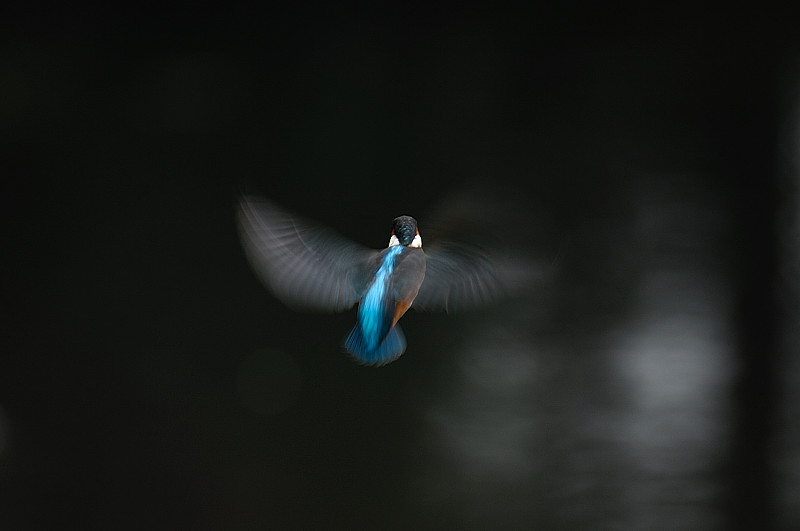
[644,159]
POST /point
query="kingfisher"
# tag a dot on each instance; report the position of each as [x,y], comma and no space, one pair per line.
[310,267]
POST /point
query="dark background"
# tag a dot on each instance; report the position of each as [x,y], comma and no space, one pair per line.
[637,167]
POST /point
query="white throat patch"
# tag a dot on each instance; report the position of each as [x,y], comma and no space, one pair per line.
[416,242]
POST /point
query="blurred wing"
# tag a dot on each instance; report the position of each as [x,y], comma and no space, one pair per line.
[457,277]
[306,266]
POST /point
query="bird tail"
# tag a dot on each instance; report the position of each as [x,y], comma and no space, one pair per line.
[388,350]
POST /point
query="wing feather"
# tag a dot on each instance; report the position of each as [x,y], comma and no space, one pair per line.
[306,266]
[458,277]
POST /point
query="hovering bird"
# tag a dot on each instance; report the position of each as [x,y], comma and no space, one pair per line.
[310,267]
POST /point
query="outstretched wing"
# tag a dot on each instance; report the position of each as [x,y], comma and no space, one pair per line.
[308,267]
[457,277]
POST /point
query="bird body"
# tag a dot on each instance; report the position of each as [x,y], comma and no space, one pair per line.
[310,267]
[376,338]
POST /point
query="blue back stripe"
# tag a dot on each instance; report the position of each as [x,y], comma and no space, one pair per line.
[371,311]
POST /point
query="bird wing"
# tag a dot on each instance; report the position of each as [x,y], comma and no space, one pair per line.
[409,273]
[306,266]
[457,277]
